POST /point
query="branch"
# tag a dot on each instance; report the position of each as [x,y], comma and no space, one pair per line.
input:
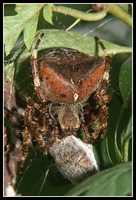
[103,9]
[119,12]
[79,14]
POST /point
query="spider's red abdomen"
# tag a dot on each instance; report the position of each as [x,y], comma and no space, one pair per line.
[69,76]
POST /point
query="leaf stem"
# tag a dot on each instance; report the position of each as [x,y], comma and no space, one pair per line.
[119,12]
[79,14]
[113,9]
[126,141]
[116,149]
[126,148]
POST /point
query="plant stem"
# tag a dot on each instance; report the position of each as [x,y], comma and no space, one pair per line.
[79,14]
[119,12]
[116,149]
[126,149]
[113,9]
[126,140]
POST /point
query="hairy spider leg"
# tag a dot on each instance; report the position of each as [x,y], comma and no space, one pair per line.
[35,71]
[34,123]
[101,100]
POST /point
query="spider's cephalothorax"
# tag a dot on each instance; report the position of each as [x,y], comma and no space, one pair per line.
[71,87]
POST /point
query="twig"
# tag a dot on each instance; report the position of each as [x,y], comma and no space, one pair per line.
[79,14]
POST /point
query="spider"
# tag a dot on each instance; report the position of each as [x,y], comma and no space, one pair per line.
[71,88]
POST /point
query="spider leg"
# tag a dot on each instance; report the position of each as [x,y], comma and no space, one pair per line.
[34,124]
[35,71]
[25,149]
[55,134]
[100,123]
[101,100]
[34,128]
[85,132]
[99,115]
[100,119]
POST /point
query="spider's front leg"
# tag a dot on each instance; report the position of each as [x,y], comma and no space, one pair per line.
[100,120]
[34,124]
[35,72]
[101,100]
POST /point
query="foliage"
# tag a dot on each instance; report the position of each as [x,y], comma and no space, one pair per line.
[114,153]
[110,183]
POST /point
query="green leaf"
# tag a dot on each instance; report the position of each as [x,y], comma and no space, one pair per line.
[10,70]
[9,66]
[30,30]
[127,7]
[116,146]
[128,131]
[125,140]
[14,25]
[114,181]
[102,155]
[47,13]
[56,38]
[125,81]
